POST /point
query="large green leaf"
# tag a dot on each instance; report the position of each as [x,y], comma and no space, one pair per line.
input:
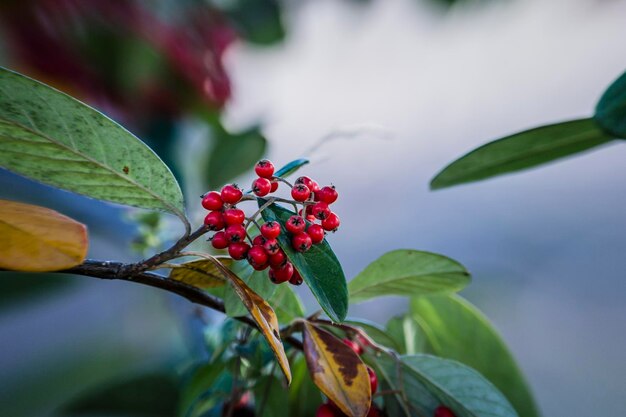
[319,266]
[611,109]
[286,304]
[455,329]
[257,280]
[303,396]
[521,151]
[408,272]
[450,383]
[50,137]
[407,335]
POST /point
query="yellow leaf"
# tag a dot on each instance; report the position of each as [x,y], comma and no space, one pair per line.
[37,239]
[337,371]
[202,274]
[261,313]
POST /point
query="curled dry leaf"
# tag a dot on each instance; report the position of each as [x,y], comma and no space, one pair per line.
[37,239]
[337,371]
[201,274]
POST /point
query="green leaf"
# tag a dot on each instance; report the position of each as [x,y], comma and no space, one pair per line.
[407,334]
[375,331]
[286,304]
[319,266]
[291,167]
[521,151]
[455,329]
[269,397]
[151,395]
[408,272]
[304,396]
[200,383]
[257,280]
[50,137]
[611,109]
[257,21]
[458,387]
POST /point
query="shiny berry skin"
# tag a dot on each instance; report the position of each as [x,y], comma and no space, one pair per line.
[313,187]
[373,379]
[212,201]
[270,230]
[219,240]
[264,168]
[278,259]
[274,186]
[215,220]
[327,410]
[235,233]
[257,257]
[259,240]
[296,278]
[295,225]
[443,411]
[234,216]
[300,192]
[282,273]
[238,250]
[331,223]
[271,246]
[301,242]
[328,195]
[316,232]
[320,210]
[353,345]
[231,194]
[261,187]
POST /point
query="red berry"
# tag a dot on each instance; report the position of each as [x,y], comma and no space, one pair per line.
[313,187]
[282,273]
[257,257]
[238,250]
[301,242]
[274,186]
[219,241]
[295,225]
[316,232]
[309,217]
[320,210]
[328,195]
[296,278]
[258,240]
[235,233]
[374,412]
[443,411]
[264,168]
[234,216]
[327,410]
[212,201]
[354,346]
[271,246]
[215,220]
[270,230]
[231,194]
[331,223]
[300,192]
[261,187]
[373,379]
[278,259]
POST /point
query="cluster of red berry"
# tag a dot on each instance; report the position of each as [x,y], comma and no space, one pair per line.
[306,228]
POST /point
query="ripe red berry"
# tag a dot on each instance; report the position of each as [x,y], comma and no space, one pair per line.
[373,379]
[295,224]
[296,278]
[235,233]
[231,194]
[261,187]
[278,259]
[353,345]
[212,201]
[331,223]
[316,232]
[313,187]
[258,240]
[300,192]
[264,168]
[309,217]
[282,273]
[443,411]
[328,194]
[257,257]
[270,230]
[327,410]
[301,242]
[320,210]
[215,220]
[271,246]
[219,241]
[274,186]
[234,216]
[238,250]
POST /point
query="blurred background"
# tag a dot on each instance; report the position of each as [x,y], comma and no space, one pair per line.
[380,95]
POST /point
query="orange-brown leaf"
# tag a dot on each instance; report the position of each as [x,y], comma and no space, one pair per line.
[202,273]
[337,371]
[37,239]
